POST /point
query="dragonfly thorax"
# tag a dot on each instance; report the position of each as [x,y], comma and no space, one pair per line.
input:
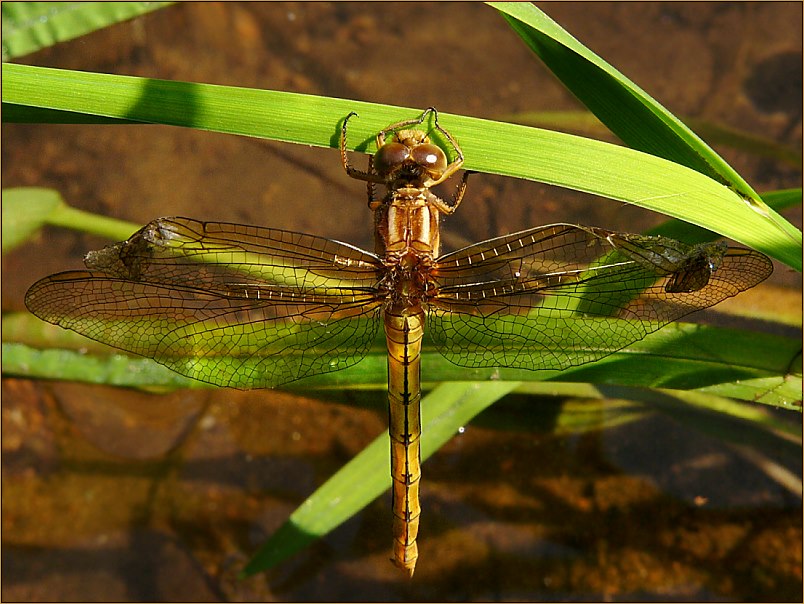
[407,280]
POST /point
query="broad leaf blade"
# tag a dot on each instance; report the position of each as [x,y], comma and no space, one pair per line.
[628,111]
[551,157]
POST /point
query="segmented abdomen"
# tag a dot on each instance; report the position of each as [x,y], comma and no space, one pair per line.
[404,328]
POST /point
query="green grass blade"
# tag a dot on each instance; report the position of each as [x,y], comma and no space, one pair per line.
[592,407]
[30,26]
[25,211]
[444,411]
[111,370]
[586,124]
[552,157]
[779,391]
[689,233]
[28,209]
[628,111]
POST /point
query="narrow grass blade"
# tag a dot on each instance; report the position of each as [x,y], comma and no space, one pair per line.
[29,26]
[110,370]
[627,110]
[689,233]
[784,391]
[586,124]
[626,403]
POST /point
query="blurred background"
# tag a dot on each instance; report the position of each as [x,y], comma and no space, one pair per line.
[112,494]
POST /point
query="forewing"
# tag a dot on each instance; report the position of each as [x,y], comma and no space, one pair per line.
[227,304]
[562,295]
[237,260]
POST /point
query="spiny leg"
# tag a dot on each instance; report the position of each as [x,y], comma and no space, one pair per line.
[457,197]
[449,207]
[370,176]
[404,124]
[373,203]
[456,164]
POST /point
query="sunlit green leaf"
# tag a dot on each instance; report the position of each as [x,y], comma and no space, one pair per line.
[29,26]
[636,118]
[551,157]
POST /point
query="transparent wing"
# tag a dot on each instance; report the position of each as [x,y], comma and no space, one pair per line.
[228,304]
[562,295]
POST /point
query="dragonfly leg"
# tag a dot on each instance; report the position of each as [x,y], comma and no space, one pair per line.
[449,208]
[373,202]
[458,161]
[404,124]
[370,176]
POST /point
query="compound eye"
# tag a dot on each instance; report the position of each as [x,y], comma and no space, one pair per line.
[390,156]
[430,157]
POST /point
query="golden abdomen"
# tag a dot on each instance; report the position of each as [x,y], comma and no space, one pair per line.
[404,329]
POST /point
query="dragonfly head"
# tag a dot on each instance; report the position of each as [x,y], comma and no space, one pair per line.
[410,156]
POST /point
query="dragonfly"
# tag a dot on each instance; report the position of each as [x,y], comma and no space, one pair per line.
[252,307]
